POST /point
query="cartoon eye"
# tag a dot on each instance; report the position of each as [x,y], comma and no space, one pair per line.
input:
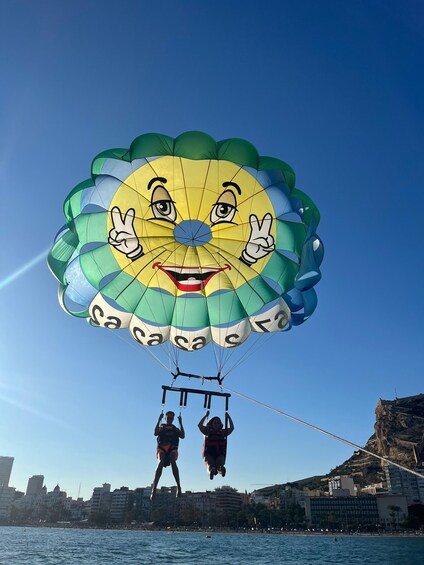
[163,207]
[224,209]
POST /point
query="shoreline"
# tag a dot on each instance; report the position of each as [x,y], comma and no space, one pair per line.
[209,531]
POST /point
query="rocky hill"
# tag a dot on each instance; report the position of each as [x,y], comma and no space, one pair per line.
[398,435]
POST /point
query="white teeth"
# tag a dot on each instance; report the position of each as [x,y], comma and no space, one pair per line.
[190,282]
[190,270]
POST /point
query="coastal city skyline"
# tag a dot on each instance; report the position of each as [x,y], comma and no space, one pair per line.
[336,502]
[331,89]
[36,482]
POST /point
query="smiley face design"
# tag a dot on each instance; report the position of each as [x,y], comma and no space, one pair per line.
[187,226]
[189,240]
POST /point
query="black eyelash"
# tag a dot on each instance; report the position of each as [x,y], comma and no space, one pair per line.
[225,204]
[157,202]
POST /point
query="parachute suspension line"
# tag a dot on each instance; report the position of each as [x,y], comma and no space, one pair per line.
[142,348]
[251,346]
[216,354]
[251,349]
[165,388]
[316,428]
[172,355]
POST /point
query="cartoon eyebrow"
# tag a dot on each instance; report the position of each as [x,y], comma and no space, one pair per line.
[229,183]
[154,179]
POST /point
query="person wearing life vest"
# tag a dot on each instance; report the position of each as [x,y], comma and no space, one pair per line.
[215,443]
[168,438]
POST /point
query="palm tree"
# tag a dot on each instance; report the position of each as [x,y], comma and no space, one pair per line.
[394,514]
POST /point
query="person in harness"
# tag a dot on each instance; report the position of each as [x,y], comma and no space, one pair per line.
[215,444]
[168,438]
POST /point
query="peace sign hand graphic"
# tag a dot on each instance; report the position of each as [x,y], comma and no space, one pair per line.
[260,241]
[122,236]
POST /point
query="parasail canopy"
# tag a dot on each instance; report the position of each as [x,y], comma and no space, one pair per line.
[188,240]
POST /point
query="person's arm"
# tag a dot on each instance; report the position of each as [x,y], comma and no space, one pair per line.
[181,430]
[201,424]
[229,425]
[157,427]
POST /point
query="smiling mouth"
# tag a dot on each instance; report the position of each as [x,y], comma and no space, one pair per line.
[190,279]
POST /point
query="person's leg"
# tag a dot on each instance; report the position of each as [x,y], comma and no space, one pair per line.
[175,471]
[210,465]
[158,473]
[220,460]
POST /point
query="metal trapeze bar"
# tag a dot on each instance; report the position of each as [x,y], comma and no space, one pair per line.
[179,373]
[184,392]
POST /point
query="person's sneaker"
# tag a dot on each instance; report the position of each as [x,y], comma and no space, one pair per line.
[223,471]
[212,474]
[179,492]
[153,494]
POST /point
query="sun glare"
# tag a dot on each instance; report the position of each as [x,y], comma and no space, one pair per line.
[22,270]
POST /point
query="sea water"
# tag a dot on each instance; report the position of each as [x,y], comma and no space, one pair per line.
[55,546]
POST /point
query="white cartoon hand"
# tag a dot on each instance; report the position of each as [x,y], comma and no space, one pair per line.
[123,236]
[260,241]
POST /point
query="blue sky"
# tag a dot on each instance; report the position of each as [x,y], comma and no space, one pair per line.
[333,88]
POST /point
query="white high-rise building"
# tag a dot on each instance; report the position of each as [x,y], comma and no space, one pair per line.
[6,464]
[6,500]
[101,499]
[35,485]
[341,486]
[402,483]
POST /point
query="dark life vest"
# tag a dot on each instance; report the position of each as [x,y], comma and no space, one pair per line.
[215,442]
[168,433]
